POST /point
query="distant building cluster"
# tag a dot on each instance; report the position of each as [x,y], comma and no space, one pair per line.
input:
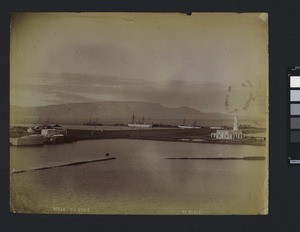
[40,135]
[46,130]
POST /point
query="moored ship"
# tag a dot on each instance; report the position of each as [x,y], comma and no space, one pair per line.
[188,127]
[194,126]
[139,124]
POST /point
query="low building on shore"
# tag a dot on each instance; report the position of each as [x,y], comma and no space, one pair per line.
[51,132]
[227,134]
[235,133]
[46,129]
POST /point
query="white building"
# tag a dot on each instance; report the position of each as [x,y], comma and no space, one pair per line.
[30,130]
[50,132]
[229,134]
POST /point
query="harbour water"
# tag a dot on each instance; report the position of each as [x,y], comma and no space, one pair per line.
[141,180]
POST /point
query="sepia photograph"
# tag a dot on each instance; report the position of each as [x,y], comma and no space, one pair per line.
[139,113]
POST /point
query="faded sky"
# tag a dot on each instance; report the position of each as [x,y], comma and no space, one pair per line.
[172,59]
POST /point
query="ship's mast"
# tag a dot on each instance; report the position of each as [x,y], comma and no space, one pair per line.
[132,119]
[195,122]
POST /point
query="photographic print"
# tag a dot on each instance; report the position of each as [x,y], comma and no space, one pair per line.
[139,113]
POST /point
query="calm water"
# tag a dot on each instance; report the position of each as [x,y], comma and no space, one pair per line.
[140,180]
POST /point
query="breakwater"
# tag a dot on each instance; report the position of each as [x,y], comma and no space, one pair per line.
[201,135]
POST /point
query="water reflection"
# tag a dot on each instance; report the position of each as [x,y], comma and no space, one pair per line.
[141,180]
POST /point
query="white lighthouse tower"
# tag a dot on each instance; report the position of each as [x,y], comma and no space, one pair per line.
[235,123]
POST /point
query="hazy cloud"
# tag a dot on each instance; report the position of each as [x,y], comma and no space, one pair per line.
[170,59]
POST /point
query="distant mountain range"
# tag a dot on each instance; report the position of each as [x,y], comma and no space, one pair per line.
[107,112]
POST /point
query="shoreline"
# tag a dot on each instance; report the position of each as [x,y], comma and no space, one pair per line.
[199,135]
